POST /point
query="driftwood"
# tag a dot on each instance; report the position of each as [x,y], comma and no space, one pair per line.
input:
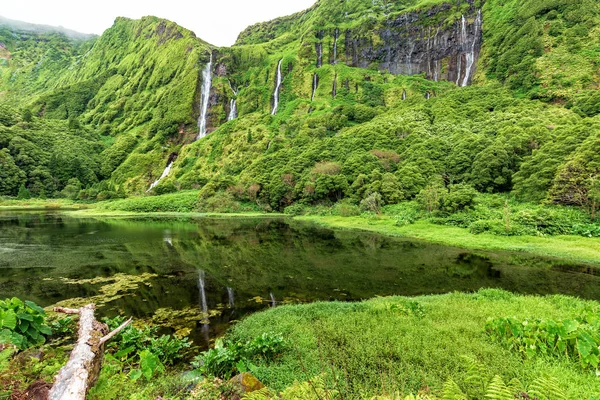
[83,368]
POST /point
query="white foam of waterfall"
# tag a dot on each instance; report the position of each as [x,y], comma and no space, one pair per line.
[470,55]
[277,89]
[163,176]
[205,98]
[273,302]
[231,297]
[315,86]
[403,94]
[462,39]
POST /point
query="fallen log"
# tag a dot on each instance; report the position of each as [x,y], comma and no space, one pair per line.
[83,368]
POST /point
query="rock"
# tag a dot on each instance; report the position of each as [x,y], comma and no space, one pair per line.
[26,356]
[246,383]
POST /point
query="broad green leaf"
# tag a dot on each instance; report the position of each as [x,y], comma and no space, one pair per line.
[8,319]
[35,307]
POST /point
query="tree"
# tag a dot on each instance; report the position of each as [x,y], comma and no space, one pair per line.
[23,193]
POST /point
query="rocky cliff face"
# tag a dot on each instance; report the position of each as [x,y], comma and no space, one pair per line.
[411,44]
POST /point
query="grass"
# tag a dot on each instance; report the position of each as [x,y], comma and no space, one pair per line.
[574,248]
[396,344]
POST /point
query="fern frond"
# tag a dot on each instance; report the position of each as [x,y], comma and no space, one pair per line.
[475,378]
[453,392]
[262,394]
[547,389]
[497,390]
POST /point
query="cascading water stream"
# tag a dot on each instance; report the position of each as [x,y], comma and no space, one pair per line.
[470,55]
[273,302]
[404,94]
[205,98]
[163,176]
[319,47]
[315,86]
[233,113]
[277,89]
[463,38]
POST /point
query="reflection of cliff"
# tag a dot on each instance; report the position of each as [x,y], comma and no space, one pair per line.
[422,42]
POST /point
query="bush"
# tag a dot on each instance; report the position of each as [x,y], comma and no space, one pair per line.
[459,197]
[295,209]
[372,203]
[227,358]
[346,210]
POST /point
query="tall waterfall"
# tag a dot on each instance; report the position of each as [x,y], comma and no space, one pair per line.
[233,113]
[319,48]
[273,302]
[231,297]
[203,303]
[334,90]
[335,40]
[315,86]
[471,53]
[404,94]
[163,176]
[463,38]
[277,89]
[205,97]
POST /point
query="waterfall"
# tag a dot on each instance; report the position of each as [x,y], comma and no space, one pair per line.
[404,94]
[203,303]
[163,176]
[277,89]
[205,97]
[315,86]
[233,113]
[427,95]
[319,48]
[231,297]
[335,40]
[273,302]
[334,91]
[470,55]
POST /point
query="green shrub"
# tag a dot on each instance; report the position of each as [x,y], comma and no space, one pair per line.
[295,209]
[346,210]
[227,358]
[372,203]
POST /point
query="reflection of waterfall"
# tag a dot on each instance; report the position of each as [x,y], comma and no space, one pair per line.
[231,297]
[470,55]
[277,89]
[203,303]
[232,105]
[315,86]
[167,238]
[273,302]
[205,97]
[335,40]
[163,176]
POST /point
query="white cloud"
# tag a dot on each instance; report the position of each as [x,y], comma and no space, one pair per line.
[215,21]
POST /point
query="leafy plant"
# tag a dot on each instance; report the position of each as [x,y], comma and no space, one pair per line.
[22,323]
[225,359]
[577,339]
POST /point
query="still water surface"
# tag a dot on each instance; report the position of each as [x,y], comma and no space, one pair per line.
[201,274]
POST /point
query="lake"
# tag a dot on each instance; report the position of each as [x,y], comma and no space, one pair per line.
[198,275]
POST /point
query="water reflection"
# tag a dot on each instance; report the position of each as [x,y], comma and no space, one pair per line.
[198,262]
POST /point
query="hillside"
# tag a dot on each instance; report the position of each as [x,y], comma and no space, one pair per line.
[340,101]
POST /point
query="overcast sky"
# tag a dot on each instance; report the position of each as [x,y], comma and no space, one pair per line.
[216,21]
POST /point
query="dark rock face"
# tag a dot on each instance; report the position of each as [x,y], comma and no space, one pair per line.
[413,43]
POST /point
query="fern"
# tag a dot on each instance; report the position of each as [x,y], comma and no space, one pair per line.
[453,392]
[262,394]
[498,390]
[475,379]
[547,389]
